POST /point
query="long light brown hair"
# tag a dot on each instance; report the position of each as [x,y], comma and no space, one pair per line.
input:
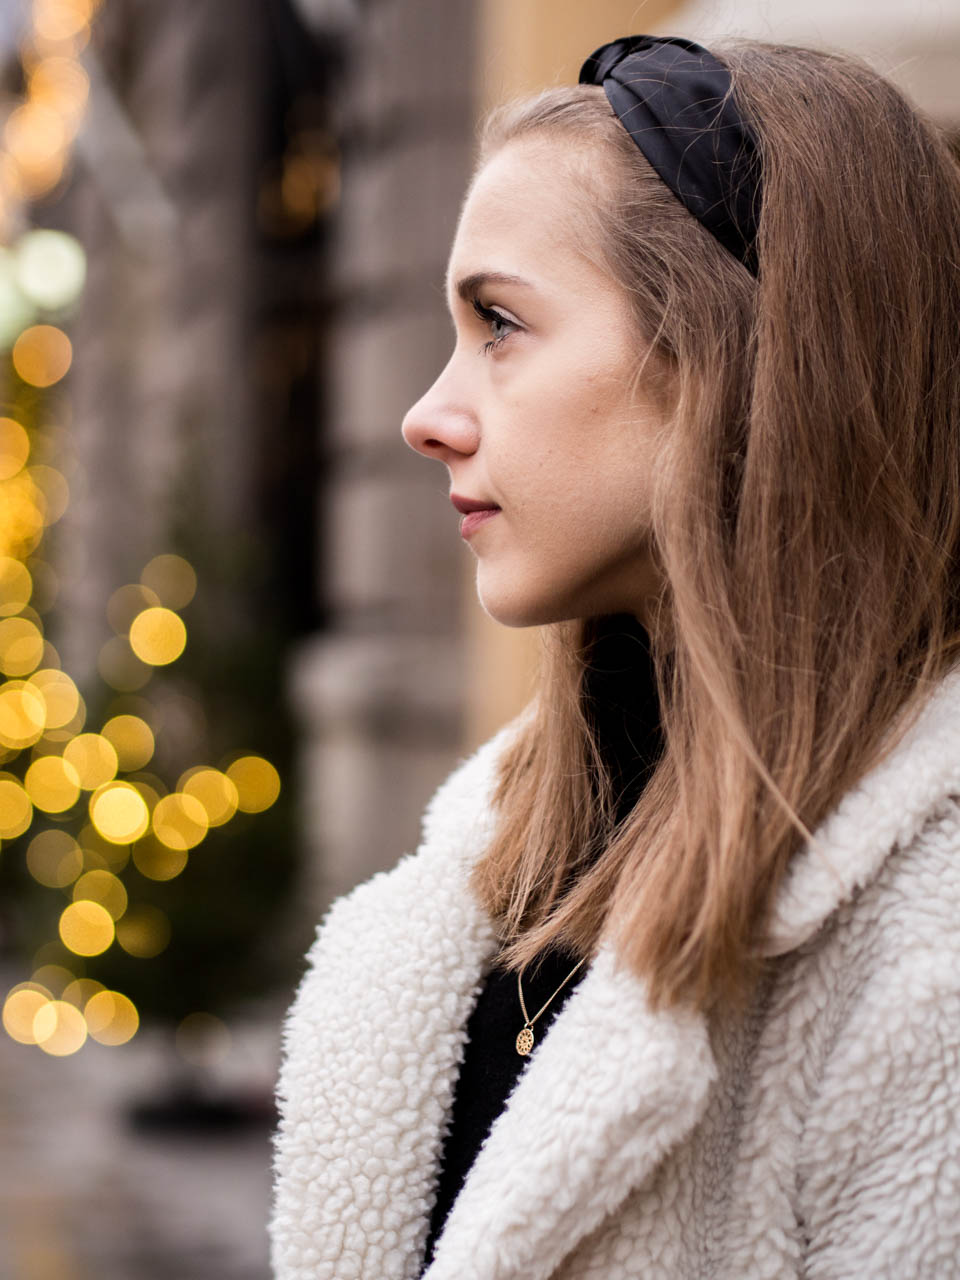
[806,522]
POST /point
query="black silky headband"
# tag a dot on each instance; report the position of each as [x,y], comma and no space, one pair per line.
[674,99]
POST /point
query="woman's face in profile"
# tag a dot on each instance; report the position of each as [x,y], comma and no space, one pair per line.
[534,416]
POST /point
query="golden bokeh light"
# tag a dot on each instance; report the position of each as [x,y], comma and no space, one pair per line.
[16,808]
[21,646]
[54,859]
[20,1008]
[42,355]
[80,990]
[16,586]
[53,490]
[14,448]
[86,928]
[202,1039]
[158,636]
[157,861]
[132,739]
[126,602]
[111,1017]
[54,978]
[180,821]
[100,854]
[61,697]
[21,516]
[143,932]
[102,887]
[34,135]
[172,578]
[215,791]
[23,712]
[119,812]
[94,758]
[59,1028]
[61,83]
[52,784]
[59,20]
[257,783]
[120,666]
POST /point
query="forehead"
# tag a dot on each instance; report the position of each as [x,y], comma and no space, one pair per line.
[521,218]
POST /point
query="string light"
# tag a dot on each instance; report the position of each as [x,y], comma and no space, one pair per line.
[53,768]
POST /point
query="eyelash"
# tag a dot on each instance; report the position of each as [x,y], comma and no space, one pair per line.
[491,317]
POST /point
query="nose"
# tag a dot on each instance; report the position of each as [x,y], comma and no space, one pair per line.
[440,425]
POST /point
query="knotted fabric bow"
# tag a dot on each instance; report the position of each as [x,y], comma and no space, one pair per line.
[676,101]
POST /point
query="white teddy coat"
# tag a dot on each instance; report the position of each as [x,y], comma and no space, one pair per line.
[819,1137]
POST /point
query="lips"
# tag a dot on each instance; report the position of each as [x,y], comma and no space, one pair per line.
[474,511]
[467,505]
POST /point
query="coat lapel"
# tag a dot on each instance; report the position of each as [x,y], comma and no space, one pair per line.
[606,1094]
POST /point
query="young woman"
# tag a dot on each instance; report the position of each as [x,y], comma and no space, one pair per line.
[671,988]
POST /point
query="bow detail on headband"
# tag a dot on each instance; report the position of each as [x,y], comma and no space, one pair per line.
[676,101]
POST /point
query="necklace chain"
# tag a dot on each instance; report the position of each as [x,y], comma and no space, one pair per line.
[525,1038]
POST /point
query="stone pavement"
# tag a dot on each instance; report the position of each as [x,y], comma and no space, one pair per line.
[85,1196]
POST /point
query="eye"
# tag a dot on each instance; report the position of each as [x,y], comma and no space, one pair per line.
[496,322]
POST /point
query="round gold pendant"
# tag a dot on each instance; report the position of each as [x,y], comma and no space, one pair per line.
[525,1041]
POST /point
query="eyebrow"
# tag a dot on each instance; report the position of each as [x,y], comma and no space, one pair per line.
[467,286]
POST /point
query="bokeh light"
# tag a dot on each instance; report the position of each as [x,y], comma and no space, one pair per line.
[54,858]
[257,783]
[80,990]
[23,713]
[61,83]
[21,1006]
[54,978]
[180,821]
[215,791]
[53,490]
[111,1017]
[119,812]
[158,861]
[132,739]
[144,931]
[59,1028]
[172,579]
[126,602]
[16,586]
[14,448]
[50,265]
[16,808]
[158,636]
[59,20]
[52,784]
[61,698]
[103,887]
[21,646]
[121,668]
[42,354]
[93,757]
[86,928]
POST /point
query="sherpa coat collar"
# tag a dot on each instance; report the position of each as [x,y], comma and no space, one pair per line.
[373,1040]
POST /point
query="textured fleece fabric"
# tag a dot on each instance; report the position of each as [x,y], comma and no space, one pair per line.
[818,1136]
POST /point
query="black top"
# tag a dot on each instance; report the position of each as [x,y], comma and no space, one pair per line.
[624,704]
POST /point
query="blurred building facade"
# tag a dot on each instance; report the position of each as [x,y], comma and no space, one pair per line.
[410,674]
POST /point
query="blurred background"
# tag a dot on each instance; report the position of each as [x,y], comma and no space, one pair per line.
[238,641]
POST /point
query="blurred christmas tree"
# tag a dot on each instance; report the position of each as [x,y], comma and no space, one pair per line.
[148,856]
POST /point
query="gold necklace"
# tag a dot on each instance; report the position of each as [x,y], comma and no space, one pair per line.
[525,1038]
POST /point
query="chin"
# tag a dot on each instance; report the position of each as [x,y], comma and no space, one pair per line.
[513,608]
